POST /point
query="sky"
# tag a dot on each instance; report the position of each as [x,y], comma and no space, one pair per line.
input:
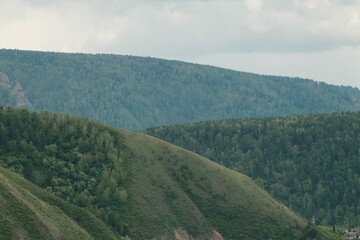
[315,39]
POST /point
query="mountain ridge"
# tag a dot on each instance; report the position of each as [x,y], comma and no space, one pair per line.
[139,92]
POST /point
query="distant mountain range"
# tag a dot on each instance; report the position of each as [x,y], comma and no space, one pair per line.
[106,183]
[137,92]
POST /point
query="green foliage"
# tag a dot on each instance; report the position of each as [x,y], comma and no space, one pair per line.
[28,212]
[75,159]
[18,213]
[135,93]
[196,194]
[309,162]
[132,184]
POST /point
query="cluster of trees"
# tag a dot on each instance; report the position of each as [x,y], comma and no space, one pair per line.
[78,160]
[311,163]
[135,93]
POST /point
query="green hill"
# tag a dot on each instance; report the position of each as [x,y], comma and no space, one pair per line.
[24,216]
[133,184]
[309,162]
[28,212]
[137,92]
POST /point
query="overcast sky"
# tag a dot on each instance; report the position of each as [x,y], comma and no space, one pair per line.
[316,39]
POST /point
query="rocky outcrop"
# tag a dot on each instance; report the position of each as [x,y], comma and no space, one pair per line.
[181,234]
[217,235]
[15,95]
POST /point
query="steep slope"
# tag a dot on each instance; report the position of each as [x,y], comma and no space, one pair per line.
[138,185]
[135,92]
[204,194]
[309,162]
[28,212]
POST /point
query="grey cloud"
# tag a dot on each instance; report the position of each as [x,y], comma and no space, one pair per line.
[198,27]
[216,26]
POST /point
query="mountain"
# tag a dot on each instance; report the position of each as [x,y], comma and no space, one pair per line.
[140,92]
[110,181]
[311,162]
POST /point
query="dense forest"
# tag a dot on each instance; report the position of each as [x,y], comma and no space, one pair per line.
[133,184]
[73,158]
[137,92]
[311,163]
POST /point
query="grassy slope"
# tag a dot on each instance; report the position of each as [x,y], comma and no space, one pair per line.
[28,212]
[309,162]
[31,213]
[174,185]
[24,215]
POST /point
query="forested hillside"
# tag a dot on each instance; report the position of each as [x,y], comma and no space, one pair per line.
[137,92]
[133,184]
[311,163]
